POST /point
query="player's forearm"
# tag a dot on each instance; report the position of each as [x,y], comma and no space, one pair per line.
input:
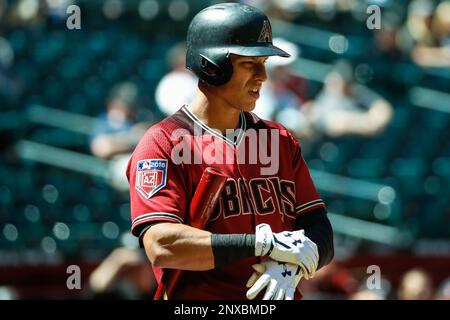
[178,246]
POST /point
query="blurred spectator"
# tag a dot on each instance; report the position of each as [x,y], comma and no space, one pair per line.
[417,29]
[416,284]
[56,9]
[124,274]
[26,12]
[387,48]
[9,85]
[441,24]
[383,54]
[331,282]
[344,107]
[282,89]
[284,92]
[443,292]
[323,9]
[179,86]
[427,33]
[8,293]
[366,294]
[116,131]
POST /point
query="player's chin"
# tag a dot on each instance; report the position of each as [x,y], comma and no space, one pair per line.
[248,106]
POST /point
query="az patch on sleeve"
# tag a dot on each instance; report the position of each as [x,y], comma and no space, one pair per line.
[151,176]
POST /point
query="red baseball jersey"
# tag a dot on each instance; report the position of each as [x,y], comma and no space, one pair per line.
[269,182]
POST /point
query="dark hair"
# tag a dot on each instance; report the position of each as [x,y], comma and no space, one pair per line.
[126,92]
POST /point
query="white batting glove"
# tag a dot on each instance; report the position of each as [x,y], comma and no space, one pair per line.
[287,246]
[280,278]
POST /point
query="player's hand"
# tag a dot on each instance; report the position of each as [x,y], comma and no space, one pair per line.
[287,246]
[280,278]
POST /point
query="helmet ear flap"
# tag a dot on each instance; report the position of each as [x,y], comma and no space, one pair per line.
[209,68]
[216,71]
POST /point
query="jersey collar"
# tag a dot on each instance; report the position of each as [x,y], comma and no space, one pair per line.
[241,130]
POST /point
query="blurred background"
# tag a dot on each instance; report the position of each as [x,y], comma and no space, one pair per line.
[371,109]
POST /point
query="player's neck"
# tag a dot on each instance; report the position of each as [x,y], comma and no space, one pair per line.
[215,113]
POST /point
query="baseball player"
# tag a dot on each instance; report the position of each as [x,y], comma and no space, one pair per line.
[269,228]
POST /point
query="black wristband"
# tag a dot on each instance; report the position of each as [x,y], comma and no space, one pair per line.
[231,247]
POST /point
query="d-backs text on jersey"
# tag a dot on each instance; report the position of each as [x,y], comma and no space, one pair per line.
[262,196]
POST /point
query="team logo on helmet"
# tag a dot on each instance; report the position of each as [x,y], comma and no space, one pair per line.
[266,32]
[151,176]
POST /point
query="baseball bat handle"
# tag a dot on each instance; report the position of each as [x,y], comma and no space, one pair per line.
[202,206]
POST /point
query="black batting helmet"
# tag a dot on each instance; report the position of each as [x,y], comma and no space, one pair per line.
[226,28]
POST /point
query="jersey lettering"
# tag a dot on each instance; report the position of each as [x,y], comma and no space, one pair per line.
[259,196]
[230,199]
